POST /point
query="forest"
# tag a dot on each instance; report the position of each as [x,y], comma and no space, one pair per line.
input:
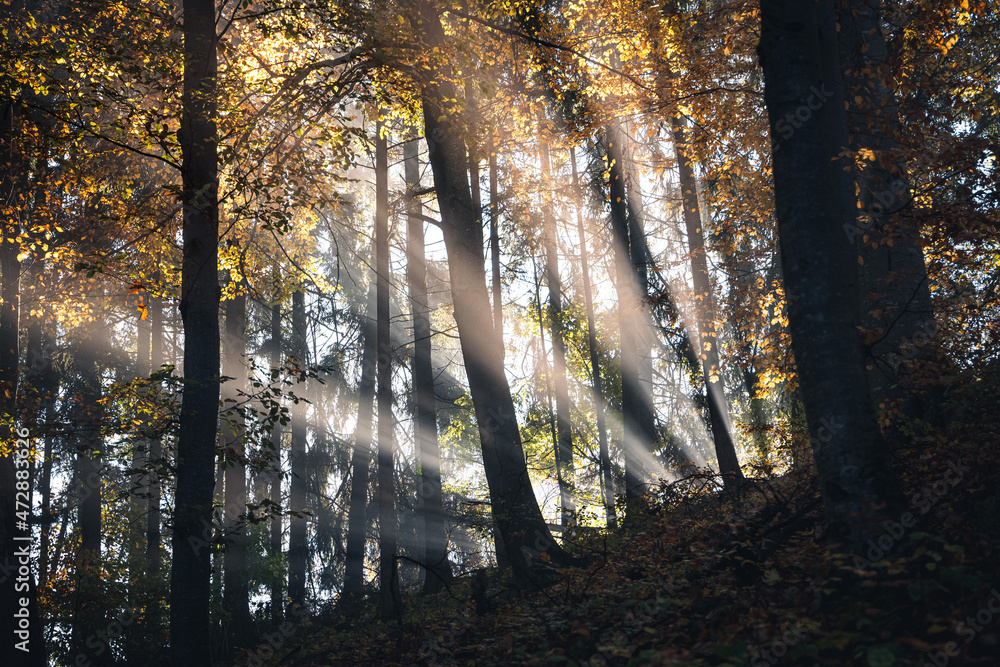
[492,332]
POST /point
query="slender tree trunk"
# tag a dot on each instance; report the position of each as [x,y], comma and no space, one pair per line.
[637,410]
[389,602]
[564,422]
[154,557]
[429,497]
[190,578]
[495,245]
[522,529]
[139,503]
[357,518]
[607,480]
[544,372]
[298,554]
[275,525]
[236,589]
[90,610]
[704,302]
[858,487]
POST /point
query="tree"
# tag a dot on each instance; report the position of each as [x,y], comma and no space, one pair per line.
[524,534]
[637,409]
[236,590]
[298,547]
[191,568]
[564,425]
[704,303]
[429,496]
[858,487]
[893,286]
[361,457]
[390,604]
[607,479]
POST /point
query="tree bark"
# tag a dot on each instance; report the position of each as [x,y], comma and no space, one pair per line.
[275,524]
[429,497]
[637,409]
[858,487]
[357,517]
[236,588]
[894,292]
[523,532]
[389,602]
[25,647]
[191,572]
[704,303]
[607,480]
[298,554]
[154,557]
[495,246]
[565,472]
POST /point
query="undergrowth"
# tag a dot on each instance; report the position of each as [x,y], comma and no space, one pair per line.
[715,578]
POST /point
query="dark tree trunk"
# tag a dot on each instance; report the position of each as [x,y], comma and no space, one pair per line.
[858,487]
[357,518]
[139,502]
[24,646]
[565,471]
[298,553]
[637,409]
[275,525]
[190,577]
[522,529]
[389,602]
[89,607]
[704,303]
[893,288]
[236,590]
[607,480]
[429,498]
[154,557]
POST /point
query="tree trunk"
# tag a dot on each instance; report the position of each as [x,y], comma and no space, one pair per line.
[26,646]
[607,480]
[894,291]
[637,409]
[522,529]
[139,589]
[89,608]
[298,554]
[154,558]
[275,524]
[565,471]
[704,303]
[389,602]
[858,487]
[236,590]
[429,497]
[495,247]
[191,573]
[357,518]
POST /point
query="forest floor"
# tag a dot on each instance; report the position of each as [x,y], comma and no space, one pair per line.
[724,580]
